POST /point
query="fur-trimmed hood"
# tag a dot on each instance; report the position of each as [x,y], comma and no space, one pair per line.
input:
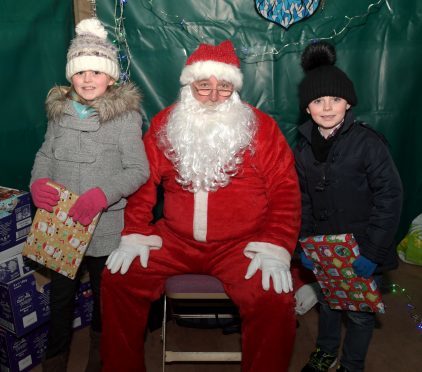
[114,102]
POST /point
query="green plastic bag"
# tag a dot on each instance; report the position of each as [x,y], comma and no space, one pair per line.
[410,248]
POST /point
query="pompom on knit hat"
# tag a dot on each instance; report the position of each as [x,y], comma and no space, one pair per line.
[90,50]
[322,77]
[218,60]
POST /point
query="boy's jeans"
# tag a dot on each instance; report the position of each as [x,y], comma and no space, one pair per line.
[359,330]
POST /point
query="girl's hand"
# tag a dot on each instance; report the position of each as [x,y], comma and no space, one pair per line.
[88,205]
[44,196]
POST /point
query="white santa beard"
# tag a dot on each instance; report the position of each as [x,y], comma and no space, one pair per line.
[206,142]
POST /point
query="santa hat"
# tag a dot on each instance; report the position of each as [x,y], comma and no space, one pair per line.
[90,50]
[218,60]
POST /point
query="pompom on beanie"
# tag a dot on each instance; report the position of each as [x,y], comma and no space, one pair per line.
[322,77]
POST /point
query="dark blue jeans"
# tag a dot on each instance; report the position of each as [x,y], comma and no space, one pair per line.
[359,329]
[62,304]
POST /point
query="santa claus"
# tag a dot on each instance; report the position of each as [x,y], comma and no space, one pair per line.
[231,210]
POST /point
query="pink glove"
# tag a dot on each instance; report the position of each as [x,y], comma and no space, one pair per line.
[43,195]
[88,205]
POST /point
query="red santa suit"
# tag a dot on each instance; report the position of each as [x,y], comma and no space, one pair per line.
[207,232]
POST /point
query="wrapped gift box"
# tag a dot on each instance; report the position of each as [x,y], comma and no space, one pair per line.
[333,256]
[55,240]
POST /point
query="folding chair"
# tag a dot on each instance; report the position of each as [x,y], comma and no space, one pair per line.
[194,290]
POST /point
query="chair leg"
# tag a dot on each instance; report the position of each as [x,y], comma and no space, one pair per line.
[163,332]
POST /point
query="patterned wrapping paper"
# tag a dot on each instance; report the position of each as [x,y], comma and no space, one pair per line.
[333,256]
[55,240]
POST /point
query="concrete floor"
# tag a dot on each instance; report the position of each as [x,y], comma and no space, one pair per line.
[396,345]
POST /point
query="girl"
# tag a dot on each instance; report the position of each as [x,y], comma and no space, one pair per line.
[93,147]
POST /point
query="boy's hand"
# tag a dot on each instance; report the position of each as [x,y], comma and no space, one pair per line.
[364,267]
[306,262]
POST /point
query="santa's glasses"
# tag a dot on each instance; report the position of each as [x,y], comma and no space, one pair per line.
[222,92]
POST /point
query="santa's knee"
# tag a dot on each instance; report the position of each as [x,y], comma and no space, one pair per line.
[111,282]
[264,304]
[115,286]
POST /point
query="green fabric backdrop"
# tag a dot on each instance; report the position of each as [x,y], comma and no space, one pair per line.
[377,45]
[34,38]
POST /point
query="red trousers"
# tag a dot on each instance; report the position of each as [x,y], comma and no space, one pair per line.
[268,319]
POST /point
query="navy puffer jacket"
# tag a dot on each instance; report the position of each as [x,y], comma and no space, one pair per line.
[357,190]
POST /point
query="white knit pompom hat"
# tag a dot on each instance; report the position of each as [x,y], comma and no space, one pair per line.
[90,50]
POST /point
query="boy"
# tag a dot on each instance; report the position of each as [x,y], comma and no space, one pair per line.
[349,184]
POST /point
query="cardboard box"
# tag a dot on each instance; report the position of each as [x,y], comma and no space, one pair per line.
[23,353]
[24,303]
[24,298]
[15,216]
[14,267]
[11,252]
[55,240]
[83,306]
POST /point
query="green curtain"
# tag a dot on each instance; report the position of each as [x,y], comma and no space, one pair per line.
[34,39]
[378,45]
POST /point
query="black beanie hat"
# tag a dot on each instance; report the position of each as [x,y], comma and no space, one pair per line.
[322,78]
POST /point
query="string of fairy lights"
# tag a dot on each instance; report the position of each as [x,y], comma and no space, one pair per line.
[411,308]
[248,55]
[253,54]
[124,54]
[335,35]
[120,41]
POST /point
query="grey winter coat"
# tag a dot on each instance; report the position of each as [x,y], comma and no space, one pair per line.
[104,150]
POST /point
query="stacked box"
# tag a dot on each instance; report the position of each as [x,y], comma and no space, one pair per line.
[25,311]
[83,306]
[15,217]
[24,297]
[11,252]
[23,353]
[23,301]
[15,266]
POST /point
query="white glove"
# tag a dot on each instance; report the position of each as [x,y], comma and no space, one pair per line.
[274,268]
[131,246]
[306,298]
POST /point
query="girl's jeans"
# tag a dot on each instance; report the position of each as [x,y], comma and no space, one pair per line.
[62,304]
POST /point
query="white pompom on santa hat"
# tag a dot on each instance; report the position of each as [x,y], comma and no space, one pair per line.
[208,60]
